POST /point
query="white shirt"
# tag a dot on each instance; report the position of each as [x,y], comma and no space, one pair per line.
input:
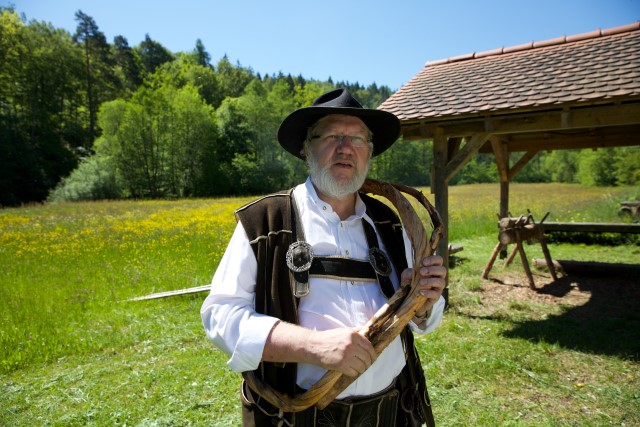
[229,316]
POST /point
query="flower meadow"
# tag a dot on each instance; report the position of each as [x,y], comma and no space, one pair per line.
[76,351]
[67,268]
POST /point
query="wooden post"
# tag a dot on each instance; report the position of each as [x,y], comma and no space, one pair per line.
[501,153]
[440,189]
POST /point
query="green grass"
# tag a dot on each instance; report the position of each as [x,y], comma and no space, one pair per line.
[75,352]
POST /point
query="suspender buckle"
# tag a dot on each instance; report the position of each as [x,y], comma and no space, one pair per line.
[380,261]
[299,259]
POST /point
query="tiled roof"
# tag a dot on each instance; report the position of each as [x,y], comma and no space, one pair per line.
[586,68]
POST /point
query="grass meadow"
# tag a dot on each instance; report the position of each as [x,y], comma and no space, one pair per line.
[74,351]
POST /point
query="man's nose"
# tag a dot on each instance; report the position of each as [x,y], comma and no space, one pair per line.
[344,141]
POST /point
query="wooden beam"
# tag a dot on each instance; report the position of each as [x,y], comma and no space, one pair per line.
[576,117]
[501,153]
[617,136]
[462,157]
[522,162]
[453,147]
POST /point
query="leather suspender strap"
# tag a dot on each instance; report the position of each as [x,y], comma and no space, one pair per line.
[342,269]
[379,260]
[302,263]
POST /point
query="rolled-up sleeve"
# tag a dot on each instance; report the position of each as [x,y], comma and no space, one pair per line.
[435,318]
[228,313]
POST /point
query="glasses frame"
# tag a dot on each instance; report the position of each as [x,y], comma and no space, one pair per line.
[338,140]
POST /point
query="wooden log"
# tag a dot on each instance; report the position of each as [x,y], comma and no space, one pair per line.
[455,248]
[525,264]
[547,257]
[591,227]
[492,259]
[591,267]
[509,222]
[629,208]
[518,234]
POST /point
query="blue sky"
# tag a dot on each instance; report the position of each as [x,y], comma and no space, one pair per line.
[386,42]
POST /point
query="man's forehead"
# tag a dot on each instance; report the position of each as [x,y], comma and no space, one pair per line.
[340,119]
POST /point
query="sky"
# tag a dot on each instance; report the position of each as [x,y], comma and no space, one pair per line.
[364,41]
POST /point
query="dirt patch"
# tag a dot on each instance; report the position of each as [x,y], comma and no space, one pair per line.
[607,294]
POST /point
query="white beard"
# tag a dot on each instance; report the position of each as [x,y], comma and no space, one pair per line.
[327,184]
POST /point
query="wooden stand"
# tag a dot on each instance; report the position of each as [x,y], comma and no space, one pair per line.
[516,231]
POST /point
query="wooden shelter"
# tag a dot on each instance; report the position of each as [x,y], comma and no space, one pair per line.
[571,92]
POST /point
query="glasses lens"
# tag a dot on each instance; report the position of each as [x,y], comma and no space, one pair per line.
[358,141]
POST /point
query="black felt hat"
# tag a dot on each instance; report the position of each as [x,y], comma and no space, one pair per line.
[384,125]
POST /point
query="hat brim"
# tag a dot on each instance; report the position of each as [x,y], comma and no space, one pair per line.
[384,125]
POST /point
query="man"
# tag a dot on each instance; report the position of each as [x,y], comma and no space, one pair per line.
[296,282]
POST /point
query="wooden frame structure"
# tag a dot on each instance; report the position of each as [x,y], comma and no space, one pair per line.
[568,93]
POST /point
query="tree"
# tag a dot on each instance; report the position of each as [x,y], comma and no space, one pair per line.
[596,167]
[127,65]
[233,79]
[202,56]
[153,54]
[405,162]
[99,77]
[38,119]
[560,165]
[158,141]
[185,70]
[628,166]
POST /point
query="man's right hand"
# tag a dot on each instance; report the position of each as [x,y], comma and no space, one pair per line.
[342,349]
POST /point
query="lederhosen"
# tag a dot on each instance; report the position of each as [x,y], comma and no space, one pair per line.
[270,226]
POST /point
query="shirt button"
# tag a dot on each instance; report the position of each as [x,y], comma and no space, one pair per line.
[347,252]
[324,208]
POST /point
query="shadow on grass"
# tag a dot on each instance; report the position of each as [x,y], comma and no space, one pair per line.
[608,323]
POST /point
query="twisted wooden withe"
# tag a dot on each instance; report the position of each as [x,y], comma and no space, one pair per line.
[390,320]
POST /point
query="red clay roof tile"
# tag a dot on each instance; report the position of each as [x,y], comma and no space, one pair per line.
[572,69]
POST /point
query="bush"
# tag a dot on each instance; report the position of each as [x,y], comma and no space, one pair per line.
[94,179]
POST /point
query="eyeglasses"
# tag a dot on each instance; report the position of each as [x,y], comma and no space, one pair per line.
[356,141]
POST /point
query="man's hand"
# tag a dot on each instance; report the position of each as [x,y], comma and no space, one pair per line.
[432,281]
[342,349]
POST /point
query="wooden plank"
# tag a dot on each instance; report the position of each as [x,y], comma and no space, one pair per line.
[591,227]
[167,294]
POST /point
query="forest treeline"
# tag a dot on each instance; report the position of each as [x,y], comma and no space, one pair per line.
[85,118]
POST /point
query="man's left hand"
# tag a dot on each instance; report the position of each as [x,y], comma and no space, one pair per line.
[431,283]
